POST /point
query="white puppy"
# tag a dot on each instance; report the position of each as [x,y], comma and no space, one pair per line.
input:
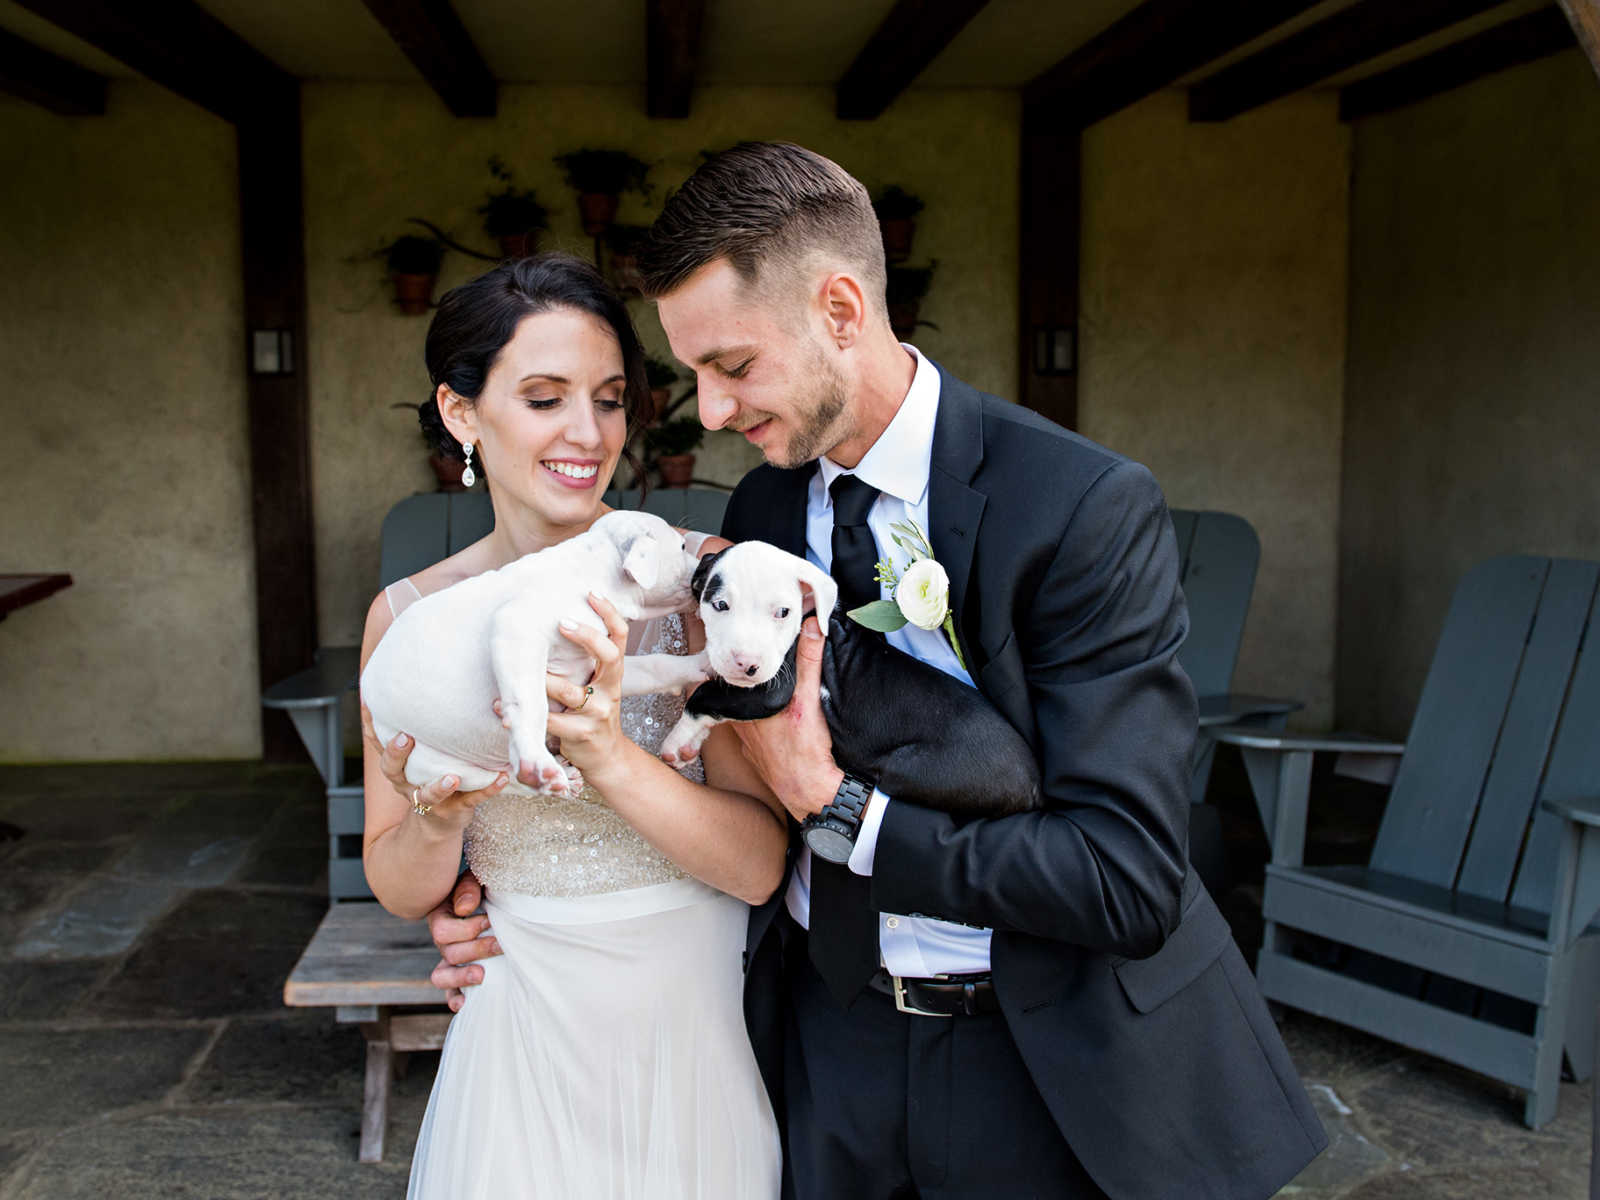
[438,669]
[752,606]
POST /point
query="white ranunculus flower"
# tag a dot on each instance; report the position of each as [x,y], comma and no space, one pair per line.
[923,594]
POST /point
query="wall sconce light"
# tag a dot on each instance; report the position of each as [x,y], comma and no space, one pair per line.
[271,352]
[1053,350]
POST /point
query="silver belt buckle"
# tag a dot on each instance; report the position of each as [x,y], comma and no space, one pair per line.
[903,1005]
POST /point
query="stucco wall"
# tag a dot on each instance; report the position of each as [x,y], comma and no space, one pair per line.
[1471,417]
[124,402]
[1213,333]
[376,155]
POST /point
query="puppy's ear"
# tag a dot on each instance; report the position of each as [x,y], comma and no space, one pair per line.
[641,561]
[702,573]
[823,590]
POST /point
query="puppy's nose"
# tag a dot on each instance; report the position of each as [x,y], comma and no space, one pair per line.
[751,669]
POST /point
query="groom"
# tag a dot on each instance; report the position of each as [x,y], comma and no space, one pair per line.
[1047,1004]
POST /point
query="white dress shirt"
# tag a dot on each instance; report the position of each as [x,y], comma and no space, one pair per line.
[897,465]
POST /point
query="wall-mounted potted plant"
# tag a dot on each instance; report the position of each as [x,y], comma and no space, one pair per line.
[622,263]
[907,287]
[673,446]
[413,264]
[662,375]
[600,177]
[897,210]
[513,216]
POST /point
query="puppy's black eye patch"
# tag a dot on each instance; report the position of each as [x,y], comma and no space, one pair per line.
[703,574]
[711,591]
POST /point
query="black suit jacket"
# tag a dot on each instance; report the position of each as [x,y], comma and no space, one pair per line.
[1118,978]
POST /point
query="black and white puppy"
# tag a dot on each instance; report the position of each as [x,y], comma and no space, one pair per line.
[899,723]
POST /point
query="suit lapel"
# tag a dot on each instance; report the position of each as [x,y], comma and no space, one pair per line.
[789,511]
[955,509]
[775,510]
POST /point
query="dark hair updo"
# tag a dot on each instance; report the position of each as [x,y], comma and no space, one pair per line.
[474,322]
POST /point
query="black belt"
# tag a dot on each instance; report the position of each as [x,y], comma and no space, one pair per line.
[956,996]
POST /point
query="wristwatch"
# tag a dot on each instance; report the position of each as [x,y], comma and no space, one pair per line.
[831,833]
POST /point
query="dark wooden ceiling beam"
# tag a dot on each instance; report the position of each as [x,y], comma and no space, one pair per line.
[1346,39]
[913,34]
[672,55]
[34,74]
[1585,18]
[1512,43]
[432,36]
[180,46]
[1144,51]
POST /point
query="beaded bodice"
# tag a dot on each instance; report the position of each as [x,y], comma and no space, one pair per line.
[578,846]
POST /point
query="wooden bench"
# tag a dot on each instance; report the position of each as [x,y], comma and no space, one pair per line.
[364,962]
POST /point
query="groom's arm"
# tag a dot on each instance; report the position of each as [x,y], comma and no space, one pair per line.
[1102,865]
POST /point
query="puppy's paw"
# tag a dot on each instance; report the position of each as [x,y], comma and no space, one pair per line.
[682,744]
[541,772]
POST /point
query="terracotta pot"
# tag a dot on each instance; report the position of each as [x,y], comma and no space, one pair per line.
[897,235]
[519,245]
[448,472]
[659,398]
[903,319]
[413,293]
[598,210]
[677,470]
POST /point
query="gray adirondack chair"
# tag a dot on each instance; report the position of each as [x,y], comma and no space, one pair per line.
[698,508]
[1468,933]
[1219,553]
[418,531]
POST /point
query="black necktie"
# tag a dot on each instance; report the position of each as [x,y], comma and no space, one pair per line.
[844,925]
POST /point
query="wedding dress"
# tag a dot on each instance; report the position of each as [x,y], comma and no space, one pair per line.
[604,1056]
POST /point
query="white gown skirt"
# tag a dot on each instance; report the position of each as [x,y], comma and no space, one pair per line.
[604,1057]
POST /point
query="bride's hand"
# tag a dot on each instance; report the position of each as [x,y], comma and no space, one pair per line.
[445,802]
[590,729]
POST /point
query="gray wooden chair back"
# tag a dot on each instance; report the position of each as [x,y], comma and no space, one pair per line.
[416,533]
[420,530]
[696,508]
[1218,553]
[1509,716]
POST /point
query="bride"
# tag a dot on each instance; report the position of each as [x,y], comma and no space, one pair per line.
[605,1054]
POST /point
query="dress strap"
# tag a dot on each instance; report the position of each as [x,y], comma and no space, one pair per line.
[401,595]
[693,540]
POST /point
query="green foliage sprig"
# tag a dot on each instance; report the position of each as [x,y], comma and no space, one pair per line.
[894,203]
[610,172]
[413,255]
[660,373]
[511,210]
[682,436]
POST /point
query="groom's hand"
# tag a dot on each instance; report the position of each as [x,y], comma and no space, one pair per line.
[459,935]
[793,750]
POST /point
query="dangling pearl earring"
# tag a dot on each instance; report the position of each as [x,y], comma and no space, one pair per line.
[468,475]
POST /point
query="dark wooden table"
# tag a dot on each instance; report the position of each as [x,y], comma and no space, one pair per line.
[19,590]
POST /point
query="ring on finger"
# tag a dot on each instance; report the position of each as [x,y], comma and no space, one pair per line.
[587,692]
[417,806]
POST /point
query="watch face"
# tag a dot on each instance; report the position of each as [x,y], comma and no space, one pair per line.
[829,843]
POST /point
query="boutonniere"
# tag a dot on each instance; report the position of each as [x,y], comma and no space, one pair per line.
[919,595]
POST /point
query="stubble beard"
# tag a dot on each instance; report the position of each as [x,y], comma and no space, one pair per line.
[823,423]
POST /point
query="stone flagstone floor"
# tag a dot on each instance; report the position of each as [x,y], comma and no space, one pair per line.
[149,915]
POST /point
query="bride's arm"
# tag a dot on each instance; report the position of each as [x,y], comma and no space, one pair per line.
[721,833]
[411,859]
